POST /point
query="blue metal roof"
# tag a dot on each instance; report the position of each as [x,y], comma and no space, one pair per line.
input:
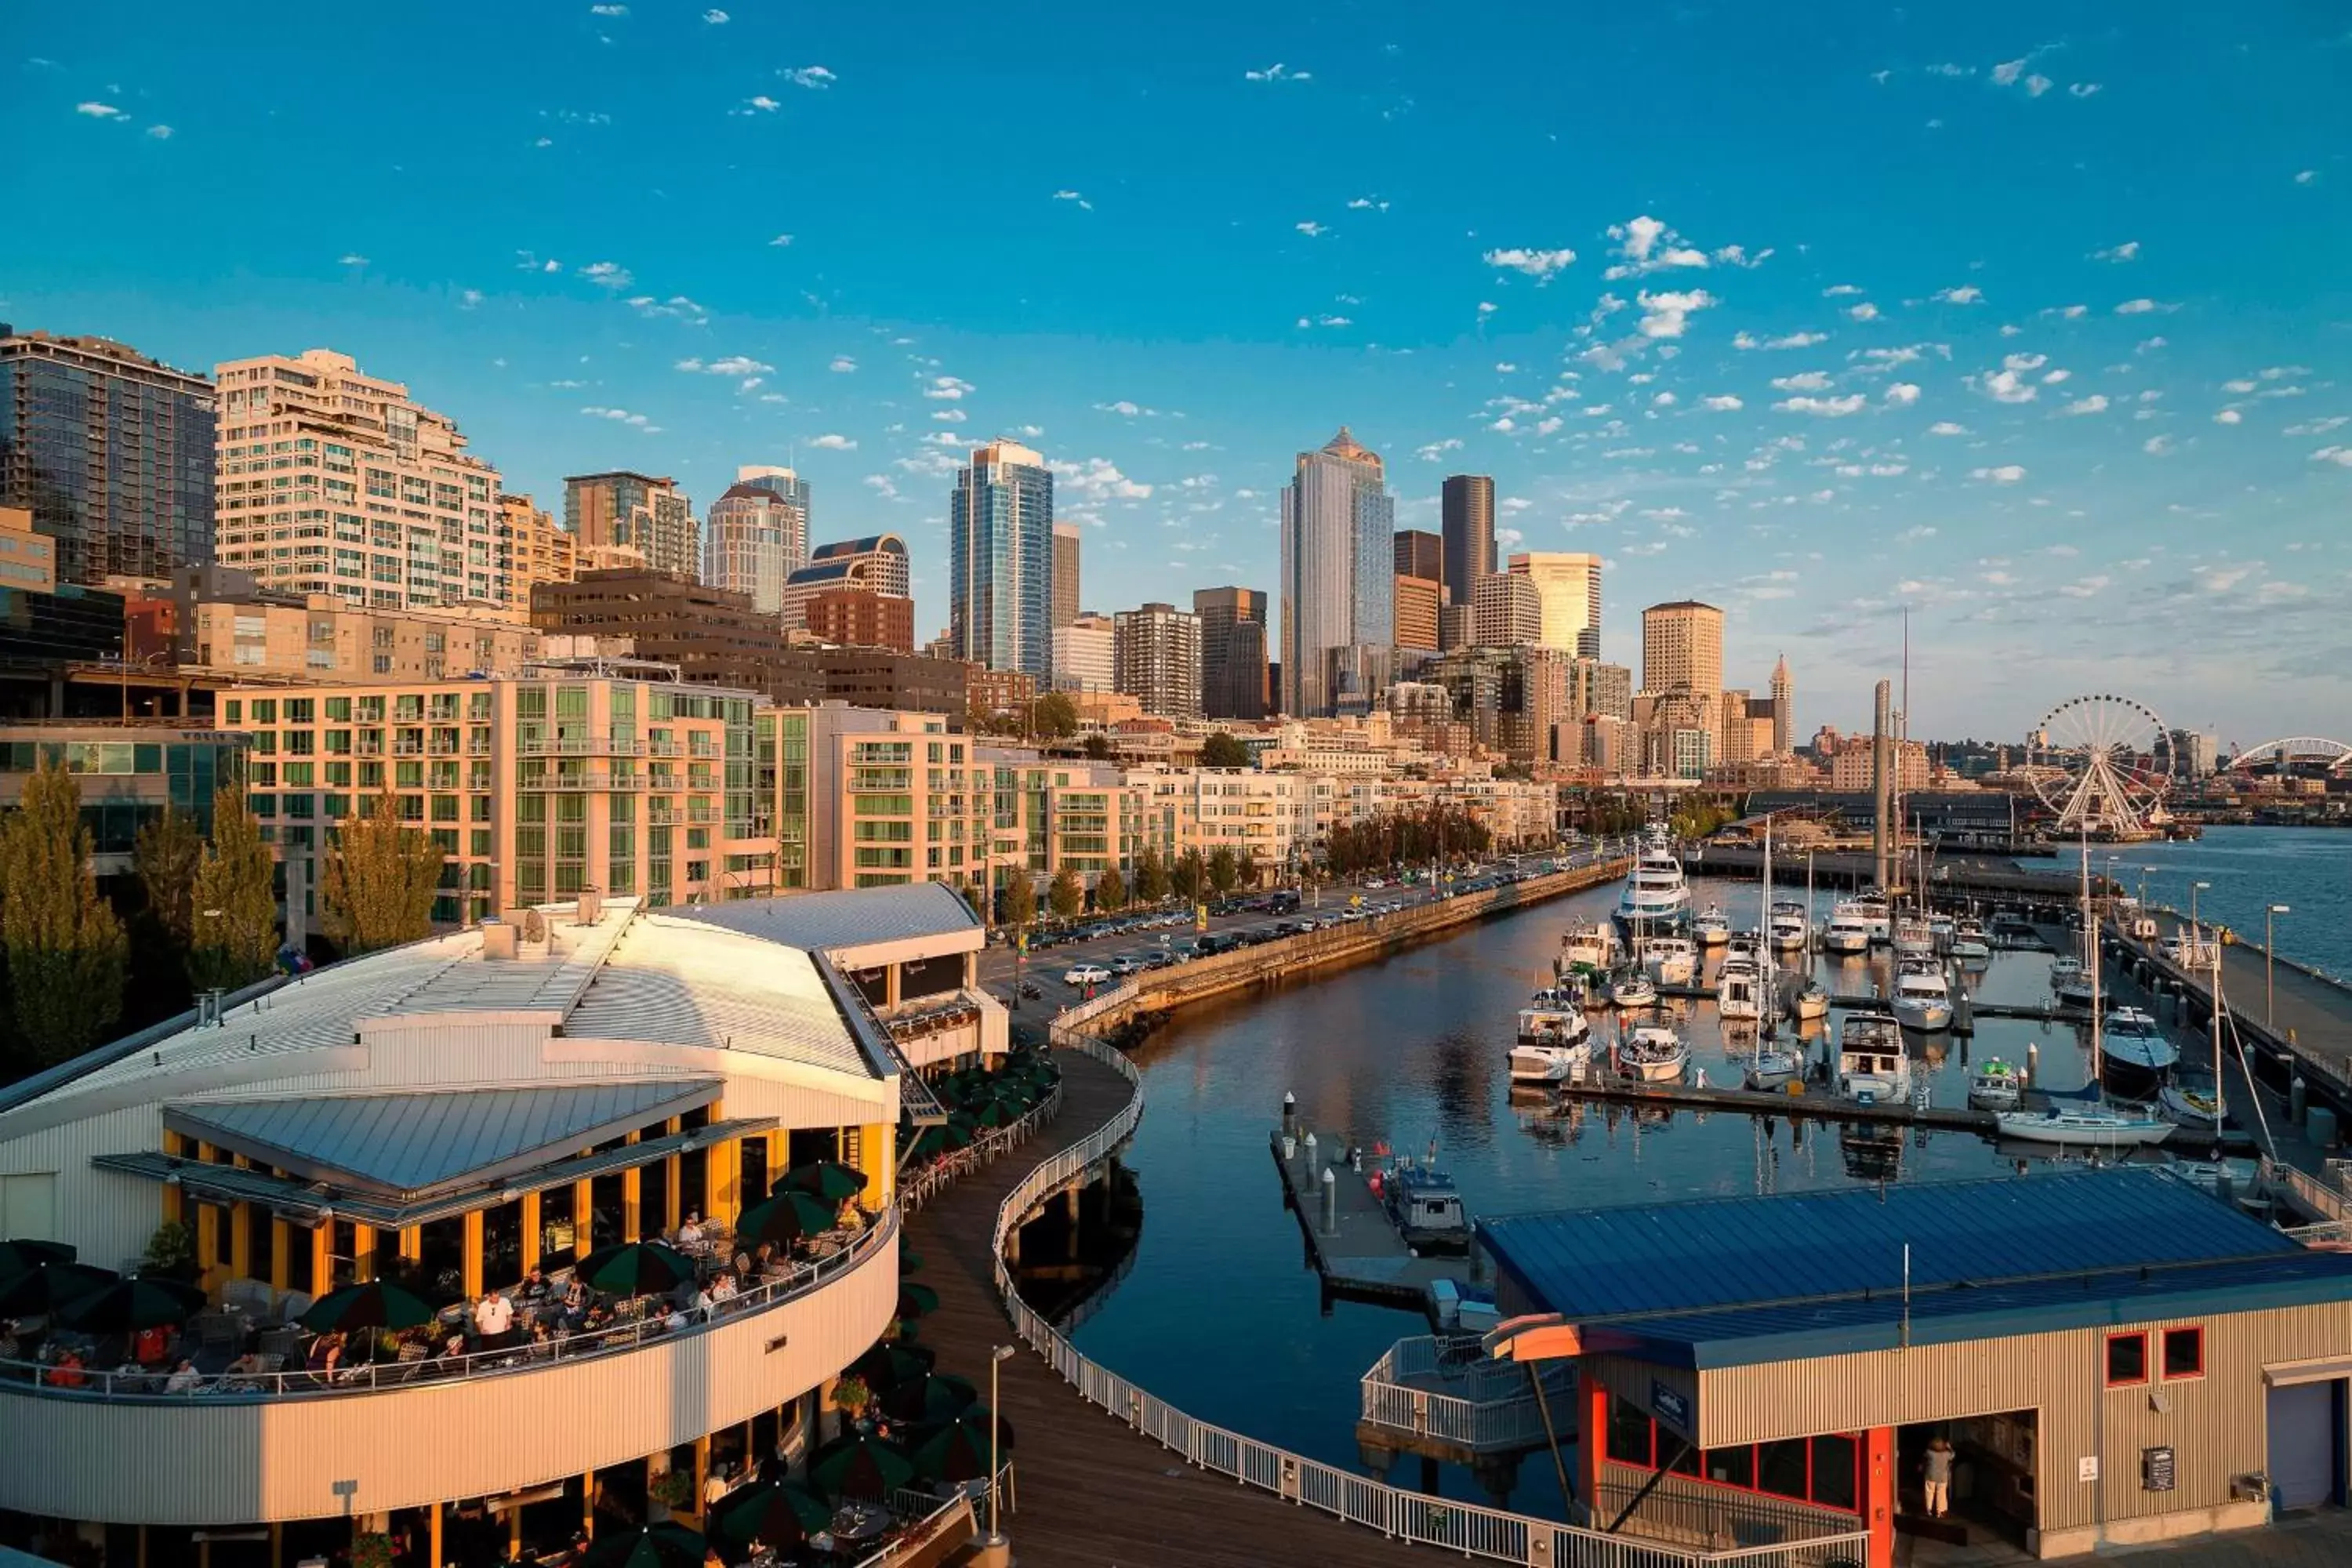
[1752,1252]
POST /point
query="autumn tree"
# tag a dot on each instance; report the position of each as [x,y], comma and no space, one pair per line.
[1110,890]
[65,950]
[1066,895]
[236,904]
[380,882]
[1150,877]
[1056,717]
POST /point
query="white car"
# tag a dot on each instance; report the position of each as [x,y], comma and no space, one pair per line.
[1374,882]
[1085,975]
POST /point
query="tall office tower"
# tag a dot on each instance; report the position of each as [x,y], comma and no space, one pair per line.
[1417,610]
[1784,709]
[1232,652]
[1158,651]
[623,517]
[112,454]
[1509,611]
[1338,560]
[1001,561]
[1682,645]
[383,507]
[793,490]
[1595,689]
[537,550]
[1569,586]
[1466,515]
[1065,573]
[1086,654]
[1421,553]
[875,564]
[744,548]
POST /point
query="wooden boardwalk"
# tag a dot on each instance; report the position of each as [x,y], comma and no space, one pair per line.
[1092,1493]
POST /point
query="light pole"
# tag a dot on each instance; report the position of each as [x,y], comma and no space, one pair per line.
[2268,911]
[2193,932]
[997,1356]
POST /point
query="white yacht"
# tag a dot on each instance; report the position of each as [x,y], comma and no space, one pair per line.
[1913,938]
[1550,1021]
[1996,1086]
[1808,1002]
[1870,908]
[2069,982]
[1872,1066]
[1922,999]
[1670,959]
[1847,933]
[1711,929]
[2135,1058]
[1589,945]
[1741,990]
[1656,899]
[2092,1126]
[1969,943]
[1548,1064]
[1633,989]
[1941,928]
[1788,930]
[1654,1053]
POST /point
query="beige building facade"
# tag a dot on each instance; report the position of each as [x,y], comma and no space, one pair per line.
[1567,584]
[28,560]
[326,638]
[539,550]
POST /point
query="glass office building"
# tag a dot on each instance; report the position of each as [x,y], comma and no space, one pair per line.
[1001,561]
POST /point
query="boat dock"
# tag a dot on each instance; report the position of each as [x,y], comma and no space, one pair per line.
[1966,1009]
[1350,1241]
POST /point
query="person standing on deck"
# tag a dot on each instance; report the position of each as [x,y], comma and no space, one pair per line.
[1938,1468]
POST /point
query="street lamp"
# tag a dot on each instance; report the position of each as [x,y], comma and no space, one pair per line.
[2268,911]
[997,1356]
[2193,888]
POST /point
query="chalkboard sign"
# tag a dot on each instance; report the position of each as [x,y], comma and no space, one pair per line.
[2155,1469]
[1672,1408]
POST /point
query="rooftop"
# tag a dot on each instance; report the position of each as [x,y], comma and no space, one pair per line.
[824,923]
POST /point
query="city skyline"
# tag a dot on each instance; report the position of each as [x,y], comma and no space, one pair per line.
[2095,445]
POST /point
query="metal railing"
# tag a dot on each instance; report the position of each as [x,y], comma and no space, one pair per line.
[923,1185]
[1712,1517]
[581,746]
[932,1529]
[1467,1528]
[1450,1389]
[21,1376]
[583,780]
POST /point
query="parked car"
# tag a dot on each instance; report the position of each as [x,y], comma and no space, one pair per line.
[1085,975]
[1127,963]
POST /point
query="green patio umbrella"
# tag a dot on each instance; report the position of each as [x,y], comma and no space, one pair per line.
[635,1269]
[127,1306]
[653,1546]
[376,1304]
[786,1217]
[886,1366]
[916,1300]
[910,1263]
[995,1113]
[861,1465]
[941,1397]
[20,1258]
[957,1451]
[777,1512]
[51,1286]
[827,1179]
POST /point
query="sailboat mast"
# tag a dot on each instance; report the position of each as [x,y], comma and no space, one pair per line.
[2217,1039]
[2090,940]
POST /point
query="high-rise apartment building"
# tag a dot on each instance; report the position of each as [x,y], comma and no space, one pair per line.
[111,451]
[1158,651]
[874,564]
[744,548]
[623,518]
[1509,608]
[1682,645]
[1570,587]
[1339,566]
[1086,654]
[537,550]
[1421,553]
[792,493]
[377,499]
[1466,518]
[1417,609]
[1605,690]
[1232,652]
[1067,546]
[1001,561]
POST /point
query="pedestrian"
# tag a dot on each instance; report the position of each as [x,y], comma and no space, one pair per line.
[1938,1468]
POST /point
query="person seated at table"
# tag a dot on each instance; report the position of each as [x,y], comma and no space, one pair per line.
[185,1378]
[598,1316]
[705,1296]
[150,1346]
[677,1318]
[851,1217]
[690,1233]
[249,1364]
[454,1347]
[764,1258]
[722,1288]
[326,1354]
[535,1286]
[743,1263]
[493,1318]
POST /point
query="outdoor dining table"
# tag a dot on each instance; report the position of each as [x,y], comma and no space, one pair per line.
[854,1525]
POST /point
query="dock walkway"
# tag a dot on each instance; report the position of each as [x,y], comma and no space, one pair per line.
[1359,1255]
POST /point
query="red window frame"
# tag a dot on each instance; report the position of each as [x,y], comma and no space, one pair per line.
[2195,1333]
[2107,1360]
[1755,1465]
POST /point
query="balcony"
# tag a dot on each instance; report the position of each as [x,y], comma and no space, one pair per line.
[929,1029]
[571,782]
[581,746]
[291,1446]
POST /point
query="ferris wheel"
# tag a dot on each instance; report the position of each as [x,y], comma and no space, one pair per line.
[2104,765]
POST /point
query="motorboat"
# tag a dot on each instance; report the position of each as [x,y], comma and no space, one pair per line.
[1590,946]
[1997,1085]
[1656,898]
[1913,939]
[1633,989]
[1739,989]
[1553,1023]
[2084,1126]
[1869,909]
[1941,928]
[1775,1067]
[1425,1206]
[1969,943]
[1670,959]
[1788,930]
[1808,1002]
[1654,1053]
[2195,1105]
[2070,983]
[1711,929]
[1570,990]
[1872,1066]
[1533,1063]
[2135,1056]
[1846,933]
[1922,999]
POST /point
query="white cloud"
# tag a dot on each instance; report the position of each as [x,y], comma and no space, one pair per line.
[781,240]
[2006,386]
[1124,409]
[2306,177]
[2007,474]
[816,78]
[160,132]
[733,364]
[1665,315]
[1808,380]
[843,365]
[2128,252]
[1840,290]
[607,274]
[948,387]
[1278,72]
[2157,445]
[832,443]
[1098,480]
[2094,403]
[2228,416]
[950,415]
[1792,341]
[1311,229]
[1946,69]
[2085,89]
[2035,86]
[2024,361]
[1663,400]
[677,307]
[1902,395]
[1824,407]
[1326,321]
[1723,403]
[2141,307]
[2051,378]
[354,259]
[1866,312]
[1068,196]
[468,298]
[2339,455]
[1946,428]
[1368,204]
[2007,72]
[1536,264]
[1647,245]
[717,18]
[622,416]
[608,10]
[1437,449]
[1966,294]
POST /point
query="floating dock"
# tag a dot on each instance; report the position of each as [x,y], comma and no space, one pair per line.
[1966,1009]
[1351,1244]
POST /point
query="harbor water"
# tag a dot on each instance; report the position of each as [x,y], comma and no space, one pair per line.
[2309,869]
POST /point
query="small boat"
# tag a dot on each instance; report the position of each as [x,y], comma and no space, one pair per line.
[1711,930]
[1775,1067]
[1425,1206]
[1846,933]
[1808,1002]
[2082,1126]
[1996,1086]
[1739,989]
[2134,1056]
[1553,1023]
[1872,1066]
[1969,944]
[1868,910]
[1913,939]
[1922,1000]
[1590,946]
[1654,1053]
[1533,1063]
[1633,989]
[1788,930]
[2070,983]
[2190,1105]
[1670,959]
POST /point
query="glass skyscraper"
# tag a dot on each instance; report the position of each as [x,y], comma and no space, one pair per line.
[1001,561]
[1339,552]
[111,451]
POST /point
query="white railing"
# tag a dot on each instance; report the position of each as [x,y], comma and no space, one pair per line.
[1467,1528]
[1450,1390]
[926,1532]
[923,1185]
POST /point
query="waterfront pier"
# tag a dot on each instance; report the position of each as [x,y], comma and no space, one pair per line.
[1350,1241]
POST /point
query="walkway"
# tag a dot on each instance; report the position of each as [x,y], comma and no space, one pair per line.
[1092,1493]
[2314,1012]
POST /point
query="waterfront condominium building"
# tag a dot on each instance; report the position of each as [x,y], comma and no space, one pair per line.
[1232,652]
[452,1116]
[1466,516]
[539,551]
[1338,553]
[1420,554]
[1048,813]
[547,781]
[1271,819]
[1569,585]
[1066,553]
[744,545]
[1086,654]
[1157,653]
[1001,561]
[1682,645]
[335,482]
[1418,607]
[1509,609]
[621,518]
[791,493]
[111,451]
[874,564]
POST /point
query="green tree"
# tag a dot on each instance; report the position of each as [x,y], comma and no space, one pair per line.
[1098,747]
[1065,894]
[379,881]
[1110,890]
[65,950]
[1222,750]
[1020,898]
[1224,871]
[1191,876]
[1057,716]
[1150,877]
[165,855]
[236,907]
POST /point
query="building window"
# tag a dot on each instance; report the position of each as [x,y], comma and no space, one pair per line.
[2127,1360]
[2184,1353]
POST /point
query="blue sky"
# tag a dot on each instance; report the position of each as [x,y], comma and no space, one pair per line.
[2033,318]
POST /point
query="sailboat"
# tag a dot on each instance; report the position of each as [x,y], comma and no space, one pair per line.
[1741,987]
[2192,1105]
[2074,978]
